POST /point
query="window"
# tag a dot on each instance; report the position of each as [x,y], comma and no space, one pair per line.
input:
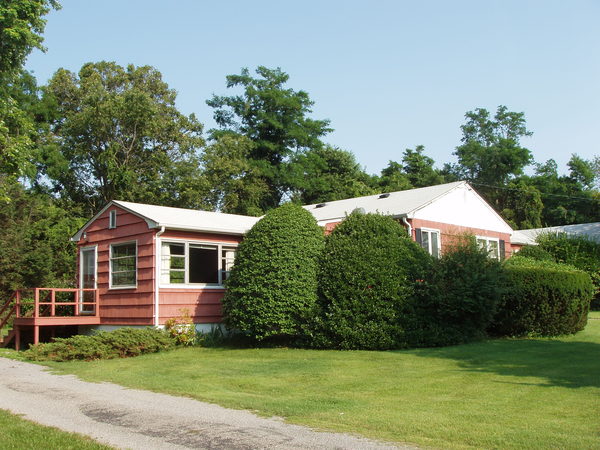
[195,263]
[429,240]
[491,245]
[123,265]
[112,219]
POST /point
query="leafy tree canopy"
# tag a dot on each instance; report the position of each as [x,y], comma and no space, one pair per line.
[325,174]
[117,134]
[491,152]
[274,118]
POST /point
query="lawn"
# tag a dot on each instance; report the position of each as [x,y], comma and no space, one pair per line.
[18,433]
[511,393]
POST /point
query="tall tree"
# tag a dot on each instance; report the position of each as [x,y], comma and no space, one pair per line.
[21,26]
[232,183]
[325,174]
[419,168]
[491,152]
[118,134]
[274,118]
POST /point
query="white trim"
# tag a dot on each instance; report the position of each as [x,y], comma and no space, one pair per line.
[112,219]
[157,247]
[81,250]
[110,272]
[487,240]
[439,238]
[187,242]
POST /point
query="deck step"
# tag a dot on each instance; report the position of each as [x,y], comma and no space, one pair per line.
[5,340]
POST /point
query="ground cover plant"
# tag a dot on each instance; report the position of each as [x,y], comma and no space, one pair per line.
[16,432]
[121,343]
[508,393]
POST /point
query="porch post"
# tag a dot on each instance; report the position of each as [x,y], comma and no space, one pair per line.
[36,302]
[17,338]
[53,301]
[18,303]
[36,334]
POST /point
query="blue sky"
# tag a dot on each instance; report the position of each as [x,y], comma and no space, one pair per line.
[388,74]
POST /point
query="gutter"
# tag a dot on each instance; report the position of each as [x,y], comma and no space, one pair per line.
[157,275]
[408,226]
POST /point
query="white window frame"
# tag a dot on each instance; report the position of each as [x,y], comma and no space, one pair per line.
[81,296]
[110,271]
[439,237]
[112,219]
[220,246]
[487,240]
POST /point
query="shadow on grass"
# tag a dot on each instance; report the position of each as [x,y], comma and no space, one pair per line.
[569,364]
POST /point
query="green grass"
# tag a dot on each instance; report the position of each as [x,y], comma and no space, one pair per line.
[18,433]
[512,393]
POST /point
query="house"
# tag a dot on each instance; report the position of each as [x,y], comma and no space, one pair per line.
[434,216]
[529,236]
[140,265]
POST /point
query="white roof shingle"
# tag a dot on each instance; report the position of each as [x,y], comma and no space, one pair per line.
[400,203]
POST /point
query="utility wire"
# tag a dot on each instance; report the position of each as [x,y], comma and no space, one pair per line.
[543,194]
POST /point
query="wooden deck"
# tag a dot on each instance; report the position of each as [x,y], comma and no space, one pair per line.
[47,307]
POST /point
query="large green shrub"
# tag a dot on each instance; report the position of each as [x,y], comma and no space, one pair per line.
[543,298]
[578,251]
[272,288]
[121,343]
[459,298]
[367,284]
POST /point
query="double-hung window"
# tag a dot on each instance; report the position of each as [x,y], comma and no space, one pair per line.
[491,245]
[430,241]
[123,265]
[184,263]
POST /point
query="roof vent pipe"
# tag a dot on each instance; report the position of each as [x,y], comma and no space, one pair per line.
[359,211]
[320,205]
[386,195]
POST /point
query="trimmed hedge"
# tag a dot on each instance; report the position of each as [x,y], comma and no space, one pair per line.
[543,298]
[460,297]
[367,283]
[121,343]
[578,251]
[272,289]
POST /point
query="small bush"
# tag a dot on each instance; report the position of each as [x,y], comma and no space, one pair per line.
[459,298]
[182,328]
[272,289]
[543,298]
[366,284]
[535,252]
[121,343]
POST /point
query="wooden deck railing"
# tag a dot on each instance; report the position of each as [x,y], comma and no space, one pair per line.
[44,303]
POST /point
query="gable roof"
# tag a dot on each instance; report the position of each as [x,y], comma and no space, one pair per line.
[397,204]
[528,237]
[180,219]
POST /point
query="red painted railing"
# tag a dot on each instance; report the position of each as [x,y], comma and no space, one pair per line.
[45,303]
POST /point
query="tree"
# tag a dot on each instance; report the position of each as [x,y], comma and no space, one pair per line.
[491,152]
[21,28]
[393,178]
[118,134]
[35,249]
[233,183]
[419,168]
[274,118]
[272,289]
[325,174]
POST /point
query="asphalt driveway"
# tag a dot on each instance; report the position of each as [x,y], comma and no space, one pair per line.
[129,418]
